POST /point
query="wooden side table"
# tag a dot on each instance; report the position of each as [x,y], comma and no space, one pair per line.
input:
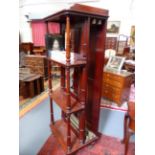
[34,84]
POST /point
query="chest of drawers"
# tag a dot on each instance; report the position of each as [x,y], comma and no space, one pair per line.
[116,86]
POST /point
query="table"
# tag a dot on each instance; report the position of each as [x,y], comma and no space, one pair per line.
[33,84]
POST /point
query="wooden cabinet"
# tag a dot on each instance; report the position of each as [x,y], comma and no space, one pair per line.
[37,64]
[111,43]
[85,31]
[116,85]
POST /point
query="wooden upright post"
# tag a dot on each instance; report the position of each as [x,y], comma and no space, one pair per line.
[68,82]
[63,86]
[83,102]
[50,89]
[50,82]
[67,39]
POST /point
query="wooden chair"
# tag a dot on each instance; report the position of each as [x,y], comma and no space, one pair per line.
[129,125]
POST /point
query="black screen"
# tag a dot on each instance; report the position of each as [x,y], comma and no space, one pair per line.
[51,39]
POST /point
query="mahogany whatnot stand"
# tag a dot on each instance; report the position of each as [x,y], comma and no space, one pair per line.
[85,31]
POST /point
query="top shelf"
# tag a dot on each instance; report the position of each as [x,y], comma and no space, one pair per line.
[79,11]
[59,57]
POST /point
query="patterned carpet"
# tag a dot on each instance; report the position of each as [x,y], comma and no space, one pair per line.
[104,146]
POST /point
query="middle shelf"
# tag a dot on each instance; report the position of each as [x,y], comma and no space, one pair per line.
[59,57]
[60,97]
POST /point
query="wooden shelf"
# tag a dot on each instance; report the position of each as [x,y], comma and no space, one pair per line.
[59,57]
[83,29]
[59,96]
[59,130]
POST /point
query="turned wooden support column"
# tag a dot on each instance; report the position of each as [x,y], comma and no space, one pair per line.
[68,89]
[62,86]
[62,77]
[68,82]
[50,89]
[68,62]
[83,101]
[68,40]
[68,133]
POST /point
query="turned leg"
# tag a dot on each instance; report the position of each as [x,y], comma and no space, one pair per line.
[62,87]
[38,86]
[128,134]
[50,89]
[31,89]
[126,119]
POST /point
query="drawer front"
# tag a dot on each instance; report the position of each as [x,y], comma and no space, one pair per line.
[112,93]
[112,96]
[112,76]
[113,83]
[111,88]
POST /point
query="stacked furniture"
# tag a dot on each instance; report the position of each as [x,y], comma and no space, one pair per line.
[85,31]
[37,64]
[111,43]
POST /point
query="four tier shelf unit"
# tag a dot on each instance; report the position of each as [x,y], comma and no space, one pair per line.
[79,94]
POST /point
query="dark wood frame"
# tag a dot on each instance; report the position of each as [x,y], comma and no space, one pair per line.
[88,43]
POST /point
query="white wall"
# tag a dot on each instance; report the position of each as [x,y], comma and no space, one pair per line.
[119,10]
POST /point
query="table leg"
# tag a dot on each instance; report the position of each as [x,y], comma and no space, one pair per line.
[31,89]
[38,86]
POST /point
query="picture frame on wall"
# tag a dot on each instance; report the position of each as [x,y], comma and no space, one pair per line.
[113,27]
[115,63]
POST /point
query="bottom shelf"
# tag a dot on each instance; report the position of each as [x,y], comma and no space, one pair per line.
[59,130]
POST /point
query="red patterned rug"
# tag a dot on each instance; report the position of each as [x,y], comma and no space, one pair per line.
[104,146]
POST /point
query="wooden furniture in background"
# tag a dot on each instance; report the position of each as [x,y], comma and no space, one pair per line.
[111,43]
[129,125]
[129,67]
[116,85]
[39,50]
[30,85]
[37,64]
[80,105]
[26,47]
